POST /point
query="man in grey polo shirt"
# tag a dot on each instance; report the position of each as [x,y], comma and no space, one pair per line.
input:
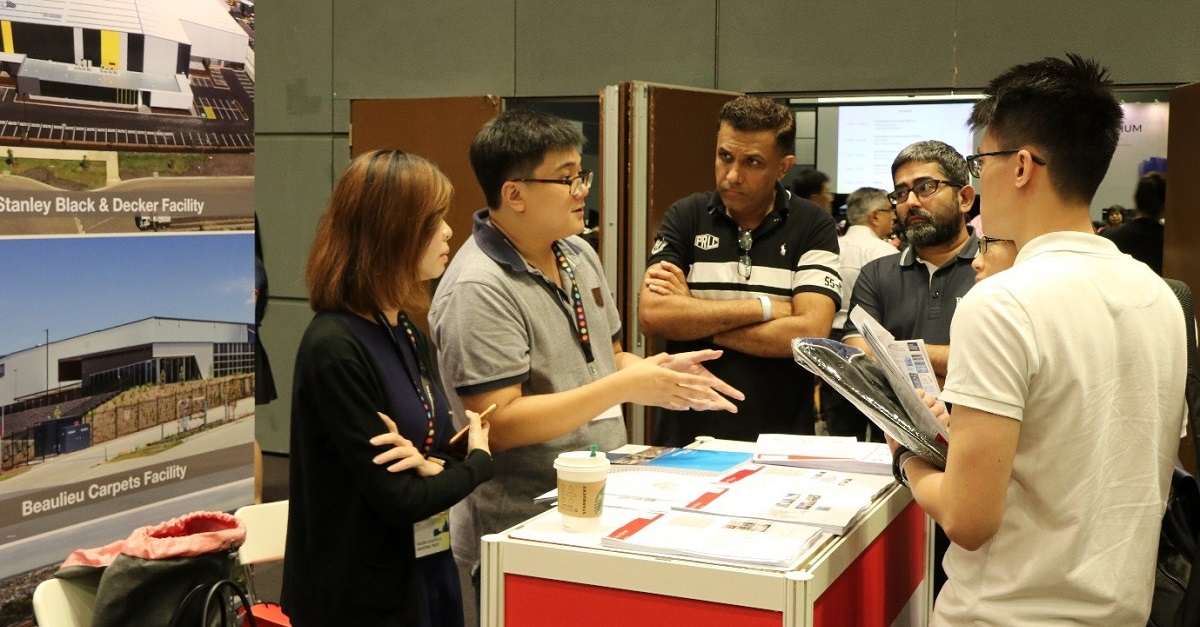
[913,294]
[524,319]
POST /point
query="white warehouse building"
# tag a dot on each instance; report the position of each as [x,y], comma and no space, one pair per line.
[127,53]
[148,351]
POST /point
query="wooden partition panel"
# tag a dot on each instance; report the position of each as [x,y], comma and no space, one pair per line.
[682,147]
[680,156]
[1182,215]
[439,129]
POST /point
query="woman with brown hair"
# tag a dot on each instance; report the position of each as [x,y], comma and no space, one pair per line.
[368,533]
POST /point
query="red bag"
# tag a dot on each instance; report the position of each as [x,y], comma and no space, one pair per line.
[267,615]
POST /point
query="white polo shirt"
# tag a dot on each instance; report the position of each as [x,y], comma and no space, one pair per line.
[1086,347]
[857,247]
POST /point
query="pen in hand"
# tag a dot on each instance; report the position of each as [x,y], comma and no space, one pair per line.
[457,445]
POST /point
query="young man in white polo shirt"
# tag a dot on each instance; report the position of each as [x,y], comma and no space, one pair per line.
[1066,376]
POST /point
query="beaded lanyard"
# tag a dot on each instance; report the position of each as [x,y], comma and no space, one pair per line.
[423,391]
[585,341]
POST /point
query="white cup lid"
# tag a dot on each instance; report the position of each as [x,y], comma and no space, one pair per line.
[581,460]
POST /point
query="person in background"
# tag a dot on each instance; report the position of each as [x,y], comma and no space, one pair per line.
[813,186]
[872,218]
[525,320]
[1061,446]
[366,538]
[745,267]
[1114,216]
[1142,237]
[995,255]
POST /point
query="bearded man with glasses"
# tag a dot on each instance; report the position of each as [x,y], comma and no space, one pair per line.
[914,293]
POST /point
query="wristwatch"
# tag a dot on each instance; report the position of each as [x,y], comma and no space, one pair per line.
[899,457]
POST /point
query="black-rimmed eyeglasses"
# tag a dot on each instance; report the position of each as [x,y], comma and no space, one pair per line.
[986,241]
[975,162]
[923,188]
[745,241]
[575,183]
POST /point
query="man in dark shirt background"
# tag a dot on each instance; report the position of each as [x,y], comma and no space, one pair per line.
[1142,237]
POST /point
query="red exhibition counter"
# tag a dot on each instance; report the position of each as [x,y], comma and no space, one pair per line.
[873,576]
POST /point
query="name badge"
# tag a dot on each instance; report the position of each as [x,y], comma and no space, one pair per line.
[432,535]
[611,412]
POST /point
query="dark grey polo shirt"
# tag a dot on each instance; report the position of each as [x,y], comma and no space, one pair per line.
[898,292]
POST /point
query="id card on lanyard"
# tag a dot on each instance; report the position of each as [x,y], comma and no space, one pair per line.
[432,535]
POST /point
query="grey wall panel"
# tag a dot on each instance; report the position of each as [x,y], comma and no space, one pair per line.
[281,332]
[341,115]
[422,49]
[1147,42]
[341,155]
[293,179]
[830,45]
[577,49]
[293,66]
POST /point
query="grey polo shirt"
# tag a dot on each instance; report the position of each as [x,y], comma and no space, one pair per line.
[497,322]
[898,291]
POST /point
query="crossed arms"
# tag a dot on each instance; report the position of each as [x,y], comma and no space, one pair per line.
[667,309]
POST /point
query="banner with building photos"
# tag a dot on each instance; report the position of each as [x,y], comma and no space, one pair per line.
[126,228]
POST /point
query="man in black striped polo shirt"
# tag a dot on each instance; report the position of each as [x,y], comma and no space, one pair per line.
[744,268]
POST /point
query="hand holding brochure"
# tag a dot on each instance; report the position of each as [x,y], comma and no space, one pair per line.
[906,359]
[885,396]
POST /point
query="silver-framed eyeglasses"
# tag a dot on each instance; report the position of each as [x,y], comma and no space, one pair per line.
[923,188]
[745,241]
[575,183]
[986,241]
[975,162]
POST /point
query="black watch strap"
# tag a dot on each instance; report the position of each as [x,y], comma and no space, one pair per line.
[899,456]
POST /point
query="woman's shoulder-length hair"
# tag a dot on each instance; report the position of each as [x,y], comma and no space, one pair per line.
[382,214]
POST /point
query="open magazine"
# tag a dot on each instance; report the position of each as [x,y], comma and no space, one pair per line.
[882,393]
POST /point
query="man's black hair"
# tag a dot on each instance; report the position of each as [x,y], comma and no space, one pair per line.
[809,183]
[1063,111]
[1150,197]
[513,144]
[752,113]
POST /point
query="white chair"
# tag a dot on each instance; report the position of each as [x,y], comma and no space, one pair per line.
[266,536]
[64,603]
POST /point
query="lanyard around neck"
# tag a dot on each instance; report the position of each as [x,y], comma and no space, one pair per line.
[577,315]
[419,380]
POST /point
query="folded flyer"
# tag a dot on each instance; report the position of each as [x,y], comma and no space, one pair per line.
[823,452]
[884,395]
